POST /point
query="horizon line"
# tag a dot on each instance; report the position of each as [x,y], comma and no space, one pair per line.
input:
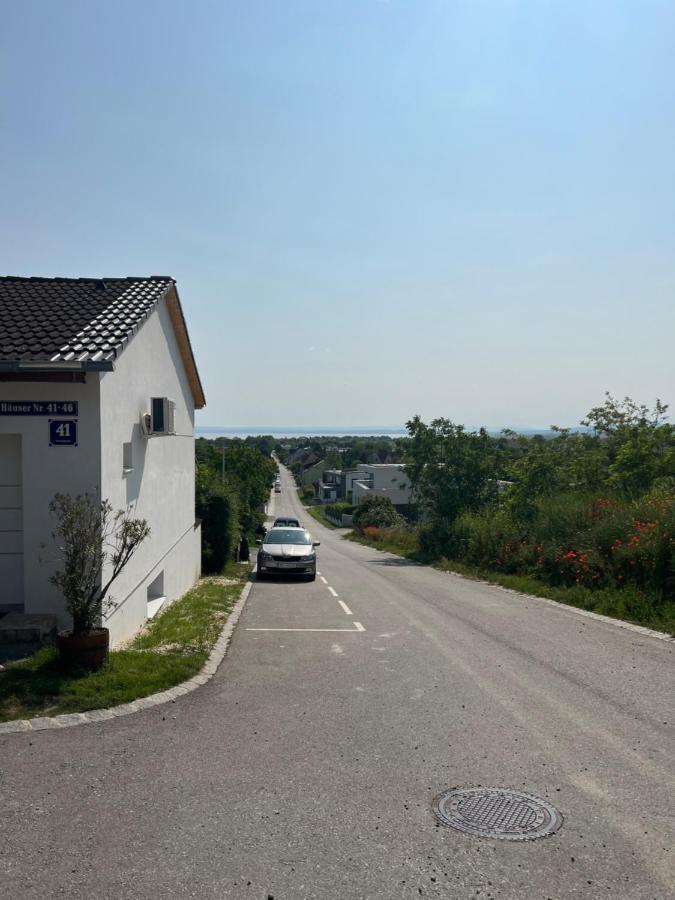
[374,428]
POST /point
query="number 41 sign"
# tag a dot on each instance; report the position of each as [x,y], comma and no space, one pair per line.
[63,432]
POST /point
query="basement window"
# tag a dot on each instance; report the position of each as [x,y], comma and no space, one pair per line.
[156,596]
[127,458]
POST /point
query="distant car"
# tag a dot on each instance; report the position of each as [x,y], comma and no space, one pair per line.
[286,522]
[287,551]
[277,488]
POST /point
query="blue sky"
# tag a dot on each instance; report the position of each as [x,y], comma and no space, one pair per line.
[372,209]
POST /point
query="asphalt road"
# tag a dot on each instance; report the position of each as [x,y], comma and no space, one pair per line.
[307,767]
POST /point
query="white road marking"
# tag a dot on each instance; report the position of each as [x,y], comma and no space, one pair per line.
[357,627]
[345,607]
[333,591]
[323,579]
[336,648]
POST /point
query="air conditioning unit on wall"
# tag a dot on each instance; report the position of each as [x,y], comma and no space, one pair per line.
[162,416]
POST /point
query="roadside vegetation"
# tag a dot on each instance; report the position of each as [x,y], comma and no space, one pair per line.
[330,514]
[318,513]
[306,494]
[587,517]
[233,479]
[172,648]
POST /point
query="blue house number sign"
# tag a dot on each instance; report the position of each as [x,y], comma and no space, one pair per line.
[63,432]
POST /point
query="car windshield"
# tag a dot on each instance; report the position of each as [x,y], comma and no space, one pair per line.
[288,536]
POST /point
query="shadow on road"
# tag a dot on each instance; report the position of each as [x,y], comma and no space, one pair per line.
[280,579]
[395,561]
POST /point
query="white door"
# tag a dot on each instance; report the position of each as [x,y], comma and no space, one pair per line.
[11,520]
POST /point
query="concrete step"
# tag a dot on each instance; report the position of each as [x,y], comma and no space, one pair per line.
[16,627]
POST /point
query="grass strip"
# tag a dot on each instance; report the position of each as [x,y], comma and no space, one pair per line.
[316,512]
[171,648]
[627,604]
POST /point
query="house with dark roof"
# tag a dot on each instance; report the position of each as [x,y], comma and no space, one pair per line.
[98,391]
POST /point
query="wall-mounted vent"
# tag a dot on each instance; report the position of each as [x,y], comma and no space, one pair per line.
[162,415]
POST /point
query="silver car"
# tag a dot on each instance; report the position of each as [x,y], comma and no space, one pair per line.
[287,551]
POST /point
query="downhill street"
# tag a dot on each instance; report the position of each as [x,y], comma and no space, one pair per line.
[306,768]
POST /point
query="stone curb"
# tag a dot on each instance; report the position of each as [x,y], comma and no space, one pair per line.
[67,720]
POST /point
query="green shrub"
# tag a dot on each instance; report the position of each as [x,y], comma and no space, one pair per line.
[337,510]
[306,493]
[486,538]
[378,512]
[573,539]
[219,513]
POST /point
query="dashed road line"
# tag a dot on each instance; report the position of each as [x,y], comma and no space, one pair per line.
[345,607]
[333,591]
[323,579]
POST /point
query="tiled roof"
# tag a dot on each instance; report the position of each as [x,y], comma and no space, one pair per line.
[73,319]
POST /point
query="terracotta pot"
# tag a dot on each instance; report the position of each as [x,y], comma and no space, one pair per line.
[88,650]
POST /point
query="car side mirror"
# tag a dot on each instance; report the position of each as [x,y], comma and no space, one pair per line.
[316,544]
[258,541]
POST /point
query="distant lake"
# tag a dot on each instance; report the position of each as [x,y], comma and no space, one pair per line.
[277,431]
[280,431]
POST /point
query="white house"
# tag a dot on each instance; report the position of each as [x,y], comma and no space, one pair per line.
[383,480]
[80,361]
[337,484]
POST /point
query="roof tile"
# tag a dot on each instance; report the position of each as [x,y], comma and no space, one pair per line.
[55,319]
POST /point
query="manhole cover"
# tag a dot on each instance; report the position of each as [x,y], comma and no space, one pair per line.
[497,813]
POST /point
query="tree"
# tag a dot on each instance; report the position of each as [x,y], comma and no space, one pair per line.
[450,471]
[232,483]
[88,535]
[640,443]
[615,415]
[534,475]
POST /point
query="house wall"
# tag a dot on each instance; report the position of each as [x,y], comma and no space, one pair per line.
[46,470]
[161,486]
[348,479]
[387,481]
[328,492]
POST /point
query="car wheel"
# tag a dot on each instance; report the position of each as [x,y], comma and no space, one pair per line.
[260,576]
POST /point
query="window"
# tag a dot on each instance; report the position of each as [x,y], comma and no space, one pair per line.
[127,457]
[282,536]
[156,595]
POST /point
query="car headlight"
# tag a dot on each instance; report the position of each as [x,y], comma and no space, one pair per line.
[263,555]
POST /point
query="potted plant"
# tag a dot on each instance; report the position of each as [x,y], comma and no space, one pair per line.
[88,535]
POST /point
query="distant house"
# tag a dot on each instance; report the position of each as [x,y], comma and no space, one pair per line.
[383,480]
[337,484]
[98,388]
[330,487]
[311,474]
